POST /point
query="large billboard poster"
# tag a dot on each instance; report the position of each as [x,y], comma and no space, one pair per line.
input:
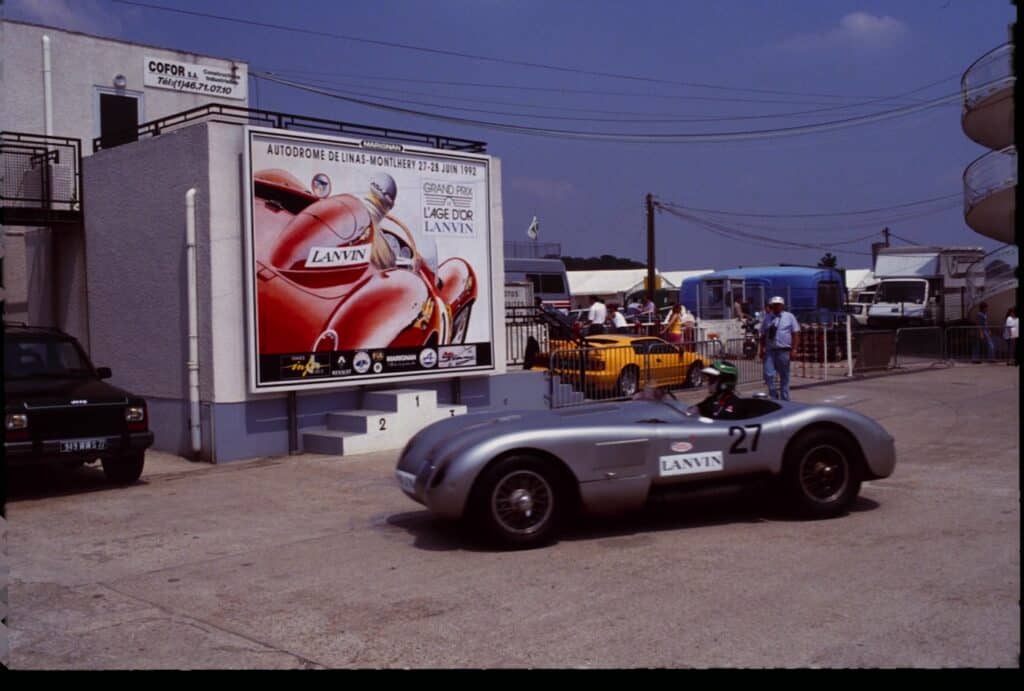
[367,261]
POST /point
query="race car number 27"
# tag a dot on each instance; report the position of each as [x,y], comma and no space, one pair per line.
[737,446]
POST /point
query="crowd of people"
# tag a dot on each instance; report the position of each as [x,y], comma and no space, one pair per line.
[638,317]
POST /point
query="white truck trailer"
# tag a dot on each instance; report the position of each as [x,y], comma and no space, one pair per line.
[925,286]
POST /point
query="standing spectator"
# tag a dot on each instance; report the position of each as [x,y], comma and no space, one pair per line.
[689,323]
[619,324]
[648,314]
[984,334]
[1010,331]
[780,336]
[673,327]
[633,308]
[596,317]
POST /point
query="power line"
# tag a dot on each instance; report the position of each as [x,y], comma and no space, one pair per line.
[649,118]
[625,137]
[819,214]
[459,54]
[598,92]
[775,243]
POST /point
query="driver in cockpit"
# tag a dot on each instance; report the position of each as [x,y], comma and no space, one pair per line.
[722,402]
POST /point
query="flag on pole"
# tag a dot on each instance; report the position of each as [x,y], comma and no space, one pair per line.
[534,228]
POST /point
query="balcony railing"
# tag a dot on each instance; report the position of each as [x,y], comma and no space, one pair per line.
[988,174]
[989,74]
[40,179]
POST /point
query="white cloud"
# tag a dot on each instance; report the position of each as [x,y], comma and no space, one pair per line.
[857,30]
[87,16]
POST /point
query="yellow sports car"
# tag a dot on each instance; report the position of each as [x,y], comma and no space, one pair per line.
[623,364]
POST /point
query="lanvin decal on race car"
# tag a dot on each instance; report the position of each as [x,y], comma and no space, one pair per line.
[687,464]
[351,251]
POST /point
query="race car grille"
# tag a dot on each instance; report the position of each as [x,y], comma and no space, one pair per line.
[87,421]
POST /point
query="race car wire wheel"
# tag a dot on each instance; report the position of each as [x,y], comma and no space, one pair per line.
[824,472]
[522,502]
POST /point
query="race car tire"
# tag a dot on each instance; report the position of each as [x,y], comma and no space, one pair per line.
[124,470]
[518,502]
[821,474]
[693,375]
[629,381]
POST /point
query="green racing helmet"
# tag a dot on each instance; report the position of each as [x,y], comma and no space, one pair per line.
[722,373]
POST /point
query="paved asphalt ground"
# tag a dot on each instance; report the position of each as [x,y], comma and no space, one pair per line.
[314,561]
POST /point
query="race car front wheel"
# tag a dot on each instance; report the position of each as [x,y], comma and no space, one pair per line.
[821,475]
[517,502]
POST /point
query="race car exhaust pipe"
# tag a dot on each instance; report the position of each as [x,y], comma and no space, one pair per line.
[193,323]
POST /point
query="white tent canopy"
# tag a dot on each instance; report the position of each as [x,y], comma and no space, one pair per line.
[858,279]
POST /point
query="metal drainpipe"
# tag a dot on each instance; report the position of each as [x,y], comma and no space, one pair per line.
[47,87]
[193,323]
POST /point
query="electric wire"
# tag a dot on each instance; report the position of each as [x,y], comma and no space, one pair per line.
[459,54]
[631,138]
[298,74]
[762,240]
[634,116]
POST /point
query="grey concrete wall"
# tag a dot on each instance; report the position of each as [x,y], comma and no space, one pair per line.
[138,296]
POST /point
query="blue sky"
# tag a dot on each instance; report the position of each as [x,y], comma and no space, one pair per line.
[761,57]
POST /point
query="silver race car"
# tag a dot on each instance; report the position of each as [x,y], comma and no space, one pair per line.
[517,475]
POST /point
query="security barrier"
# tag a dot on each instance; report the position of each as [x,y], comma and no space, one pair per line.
[977,344]
[825,352]
[621,372]
[919,346]
[522,324]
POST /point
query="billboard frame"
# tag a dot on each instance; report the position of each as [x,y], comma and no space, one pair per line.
[255,386]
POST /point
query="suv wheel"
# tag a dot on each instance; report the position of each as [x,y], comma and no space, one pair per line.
[124,470]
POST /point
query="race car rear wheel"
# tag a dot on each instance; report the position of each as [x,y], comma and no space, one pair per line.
[821,475]
[517,502]
[629,381]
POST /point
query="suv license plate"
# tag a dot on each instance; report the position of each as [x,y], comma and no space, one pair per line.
[83,445]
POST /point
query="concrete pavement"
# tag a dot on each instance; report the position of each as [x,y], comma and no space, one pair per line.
[316,561]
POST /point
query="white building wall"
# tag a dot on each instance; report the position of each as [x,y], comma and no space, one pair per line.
[82,65]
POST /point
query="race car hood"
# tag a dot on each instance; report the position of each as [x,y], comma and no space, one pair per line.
[447,437]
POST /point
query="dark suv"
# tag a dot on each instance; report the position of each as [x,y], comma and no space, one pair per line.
[59,411]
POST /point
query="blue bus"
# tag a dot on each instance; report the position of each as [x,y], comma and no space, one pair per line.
[812,294]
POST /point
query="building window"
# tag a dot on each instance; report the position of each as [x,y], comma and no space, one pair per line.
[119,119]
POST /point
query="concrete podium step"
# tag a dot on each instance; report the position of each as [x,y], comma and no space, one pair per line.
[389,420]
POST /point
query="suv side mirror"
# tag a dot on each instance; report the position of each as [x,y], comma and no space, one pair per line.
[104,372]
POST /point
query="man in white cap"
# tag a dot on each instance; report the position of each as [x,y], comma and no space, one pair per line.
[780,336]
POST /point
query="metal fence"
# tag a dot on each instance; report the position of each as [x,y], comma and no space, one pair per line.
[620,372]
[977,344]
[522,324]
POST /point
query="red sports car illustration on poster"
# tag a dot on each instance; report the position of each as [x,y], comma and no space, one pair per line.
[339,269]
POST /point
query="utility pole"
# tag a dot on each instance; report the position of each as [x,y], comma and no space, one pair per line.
[650,245]
[885,232]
